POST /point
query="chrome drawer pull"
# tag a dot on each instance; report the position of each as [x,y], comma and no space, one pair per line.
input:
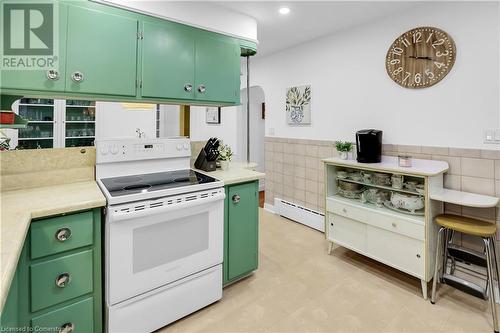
[67,328]
[236,198]
[62,280]
[53,75]
[344,210]
[188,87]
[63,234]
[394,224]
[77,77]
[202,88]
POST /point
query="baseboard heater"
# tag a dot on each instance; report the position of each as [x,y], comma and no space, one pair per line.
[298,213]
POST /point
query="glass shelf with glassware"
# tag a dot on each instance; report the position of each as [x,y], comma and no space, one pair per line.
[80,123]
[40,115]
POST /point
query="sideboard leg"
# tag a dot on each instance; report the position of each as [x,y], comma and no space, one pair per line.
[424,288]
[330,247]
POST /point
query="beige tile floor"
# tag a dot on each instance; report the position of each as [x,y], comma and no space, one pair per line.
[299,288]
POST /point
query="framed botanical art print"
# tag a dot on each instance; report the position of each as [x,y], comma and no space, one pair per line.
[298,105]
[213,115]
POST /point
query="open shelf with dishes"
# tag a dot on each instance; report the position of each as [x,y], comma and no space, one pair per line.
[400,193]
[79,123]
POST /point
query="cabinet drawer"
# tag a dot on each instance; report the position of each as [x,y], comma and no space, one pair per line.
[398,251]
[78,315]
[384,220]
[348,233]
[62,233]
[47,279]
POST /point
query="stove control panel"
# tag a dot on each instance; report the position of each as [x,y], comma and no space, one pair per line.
[120,150]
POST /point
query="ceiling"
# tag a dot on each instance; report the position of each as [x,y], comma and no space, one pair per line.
[309,20]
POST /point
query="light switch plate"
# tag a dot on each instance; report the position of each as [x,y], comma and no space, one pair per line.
[492,135]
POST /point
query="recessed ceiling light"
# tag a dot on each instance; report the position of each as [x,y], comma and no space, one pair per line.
[284,10]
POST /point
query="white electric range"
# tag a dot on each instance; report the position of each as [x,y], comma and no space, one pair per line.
[164,231]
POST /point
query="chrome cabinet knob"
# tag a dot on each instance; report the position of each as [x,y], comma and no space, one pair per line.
[77,77]
[62,280]
[394,224]
[236,198]
[53,75]
[67,328]
[188,87]
[63,234]
[202,88]
[344,210]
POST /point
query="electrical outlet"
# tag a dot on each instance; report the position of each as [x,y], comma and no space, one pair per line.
[492,135]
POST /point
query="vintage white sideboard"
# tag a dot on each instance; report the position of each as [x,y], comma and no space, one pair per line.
[404,241]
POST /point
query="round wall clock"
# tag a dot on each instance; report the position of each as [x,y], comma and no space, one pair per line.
[420,57]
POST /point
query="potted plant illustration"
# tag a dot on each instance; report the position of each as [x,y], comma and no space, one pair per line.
[296,102]
[343,147]
[224,158]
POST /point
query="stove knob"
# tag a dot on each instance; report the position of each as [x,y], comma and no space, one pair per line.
[104,150]
[114,150]
[186,146]
[179,147]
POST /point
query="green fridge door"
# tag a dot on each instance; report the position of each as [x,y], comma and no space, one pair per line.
[101,52]
[217,69]
[243,219]
[167,61]
[50,79]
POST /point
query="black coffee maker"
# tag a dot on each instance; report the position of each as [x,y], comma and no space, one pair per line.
[369,146]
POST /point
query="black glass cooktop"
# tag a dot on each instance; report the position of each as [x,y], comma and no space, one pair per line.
[126,185]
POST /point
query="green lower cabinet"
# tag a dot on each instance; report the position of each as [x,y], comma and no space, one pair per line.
[77,317]
[58,284]
[241,230]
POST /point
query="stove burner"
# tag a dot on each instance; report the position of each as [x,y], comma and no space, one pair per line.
[130,179]
[137,187]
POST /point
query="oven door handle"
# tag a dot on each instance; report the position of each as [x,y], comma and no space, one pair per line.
[121,216]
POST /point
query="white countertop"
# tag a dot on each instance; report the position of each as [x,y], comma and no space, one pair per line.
[238,172]
[464,198]
[390,163]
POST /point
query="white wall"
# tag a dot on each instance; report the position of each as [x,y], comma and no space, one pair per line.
[351,89]
[114,121]
[200,14]
[226,130]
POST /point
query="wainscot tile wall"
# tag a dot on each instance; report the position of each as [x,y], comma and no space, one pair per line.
[294,172]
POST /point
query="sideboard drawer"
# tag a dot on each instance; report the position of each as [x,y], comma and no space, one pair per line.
[62,233]
[76,318]
[348,233]
[61,279]
[397,224]
[398,251]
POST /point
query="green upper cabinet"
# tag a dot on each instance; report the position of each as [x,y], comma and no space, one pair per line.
[50,80]
[101,56]
[217,68]
[167,60]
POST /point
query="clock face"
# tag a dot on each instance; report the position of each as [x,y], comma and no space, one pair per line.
[420,57]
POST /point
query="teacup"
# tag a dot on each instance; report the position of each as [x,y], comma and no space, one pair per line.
[367,177]
[397,181]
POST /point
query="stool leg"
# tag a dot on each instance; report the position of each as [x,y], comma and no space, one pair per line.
[440,236]
[489,261]
[445,253]
[495,258]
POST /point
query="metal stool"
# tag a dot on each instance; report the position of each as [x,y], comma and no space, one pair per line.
[472,227]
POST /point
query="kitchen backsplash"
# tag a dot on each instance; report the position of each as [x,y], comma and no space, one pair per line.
[43,167]
[294,172]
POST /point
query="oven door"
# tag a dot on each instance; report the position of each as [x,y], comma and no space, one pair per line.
[152,243]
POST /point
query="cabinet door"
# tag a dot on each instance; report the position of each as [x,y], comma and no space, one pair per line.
[243,220]
[101,52]
[167,61]
[217,68]
[38,80]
